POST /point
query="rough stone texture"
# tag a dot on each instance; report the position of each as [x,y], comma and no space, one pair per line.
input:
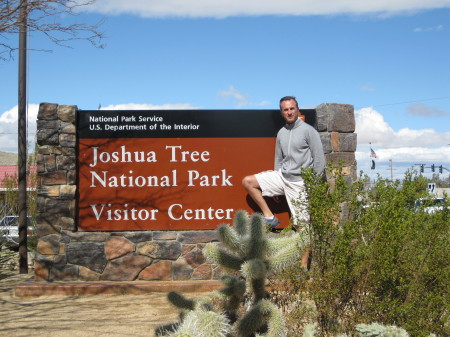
[54,178]
[334,141]
[86,236]
[118,246]
[67,113]
[181,270]
[87,254]
[162,250]
[203,272]
[48,111]
[66,163]
[195,257]
[165,235]
[125,268]
[326,142]
[51,260]
[49,124]
[67,223]
[49,164]
[47,149]
[58,206]
[161,270]
[347,142]
[40,272]
[338,158]
[64,254]
[68,128]
[47,137]
[197,236]
[48,191]
[66,139]
[63,273]
[43,229]
[68,191]
[335,117]
[72,177]
[50,245]
[40,167]
[85,274]
[68,151]
[137,237]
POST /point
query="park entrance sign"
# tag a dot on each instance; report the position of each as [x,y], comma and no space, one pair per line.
[136,195]
[169,169]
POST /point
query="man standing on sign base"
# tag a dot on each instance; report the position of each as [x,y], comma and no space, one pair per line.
[298,147]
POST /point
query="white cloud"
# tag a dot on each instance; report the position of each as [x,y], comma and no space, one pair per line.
[11,116]
[366,87]
[242,99]
[405,145]
[137,106]
[227,8]
[429,29]
[9,128]
[232,92]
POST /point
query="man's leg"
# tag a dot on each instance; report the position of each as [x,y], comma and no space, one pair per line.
[299,209]
[253,189]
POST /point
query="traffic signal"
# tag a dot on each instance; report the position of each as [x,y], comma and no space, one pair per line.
[432,167]
[421,168]
[440,168]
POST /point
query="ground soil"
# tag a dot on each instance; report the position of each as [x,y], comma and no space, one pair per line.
[91,315]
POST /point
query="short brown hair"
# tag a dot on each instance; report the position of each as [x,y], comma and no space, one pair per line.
[288,98]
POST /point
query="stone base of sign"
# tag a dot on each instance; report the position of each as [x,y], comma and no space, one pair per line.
[36,289]
[66,256]
[124,256]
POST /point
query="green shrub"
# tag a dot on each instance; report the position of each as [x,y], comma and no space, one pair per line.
[376,258]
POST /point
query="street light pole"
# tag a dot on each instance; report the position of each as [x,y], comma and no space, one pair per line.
[22,140]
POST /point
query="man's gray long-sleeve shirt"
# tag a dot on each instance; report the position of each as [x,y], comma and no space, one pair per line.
[298,146]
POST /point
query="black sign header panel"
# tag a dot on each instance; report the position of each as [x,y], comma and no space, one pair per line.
[98,124]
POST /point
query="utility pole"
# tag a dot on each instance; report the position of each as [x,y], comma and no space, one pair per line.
[392,173]
[22,140]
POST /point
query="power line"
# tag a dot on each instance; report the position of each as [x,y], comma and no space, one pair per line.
[406,102]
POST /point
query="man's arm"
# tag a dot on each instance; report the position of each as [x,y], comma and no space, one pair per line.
[316,147]
[278,155]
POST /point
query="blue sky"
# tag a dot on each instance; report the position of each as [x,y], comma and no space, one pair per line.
[391,60]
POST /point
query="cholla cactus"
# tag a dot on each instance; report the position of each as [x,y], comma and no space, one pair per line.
[201,322]
[378,330]
[309,330]
[246,250]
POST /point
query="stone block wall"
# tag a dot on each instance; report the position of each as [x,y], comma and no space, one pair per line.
[63,254]
[336,125]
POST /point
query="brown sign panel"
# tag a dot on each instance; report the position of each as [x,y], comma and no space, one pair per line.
[169,170]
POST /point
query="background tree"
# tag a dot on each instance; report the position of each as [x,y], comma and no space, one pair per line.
[48,17]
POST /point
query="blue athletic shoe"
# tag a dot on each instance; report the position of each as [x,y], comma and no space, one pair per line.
[274,222]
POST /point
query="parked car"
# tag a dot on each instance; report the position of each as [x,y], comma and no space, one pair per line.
[430,206]
[9,229]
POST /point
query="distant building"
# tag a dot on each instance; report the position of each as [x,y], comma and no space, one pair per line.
[11,172]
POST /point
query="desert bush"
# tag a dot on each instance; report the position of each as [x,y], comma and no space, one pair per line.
[375,258]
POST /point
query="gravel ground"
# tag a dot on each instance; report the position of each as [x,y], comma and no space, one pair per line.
[93,315]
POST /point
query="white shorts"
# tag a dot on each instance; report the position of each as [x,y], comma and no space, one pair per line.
[272,183]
